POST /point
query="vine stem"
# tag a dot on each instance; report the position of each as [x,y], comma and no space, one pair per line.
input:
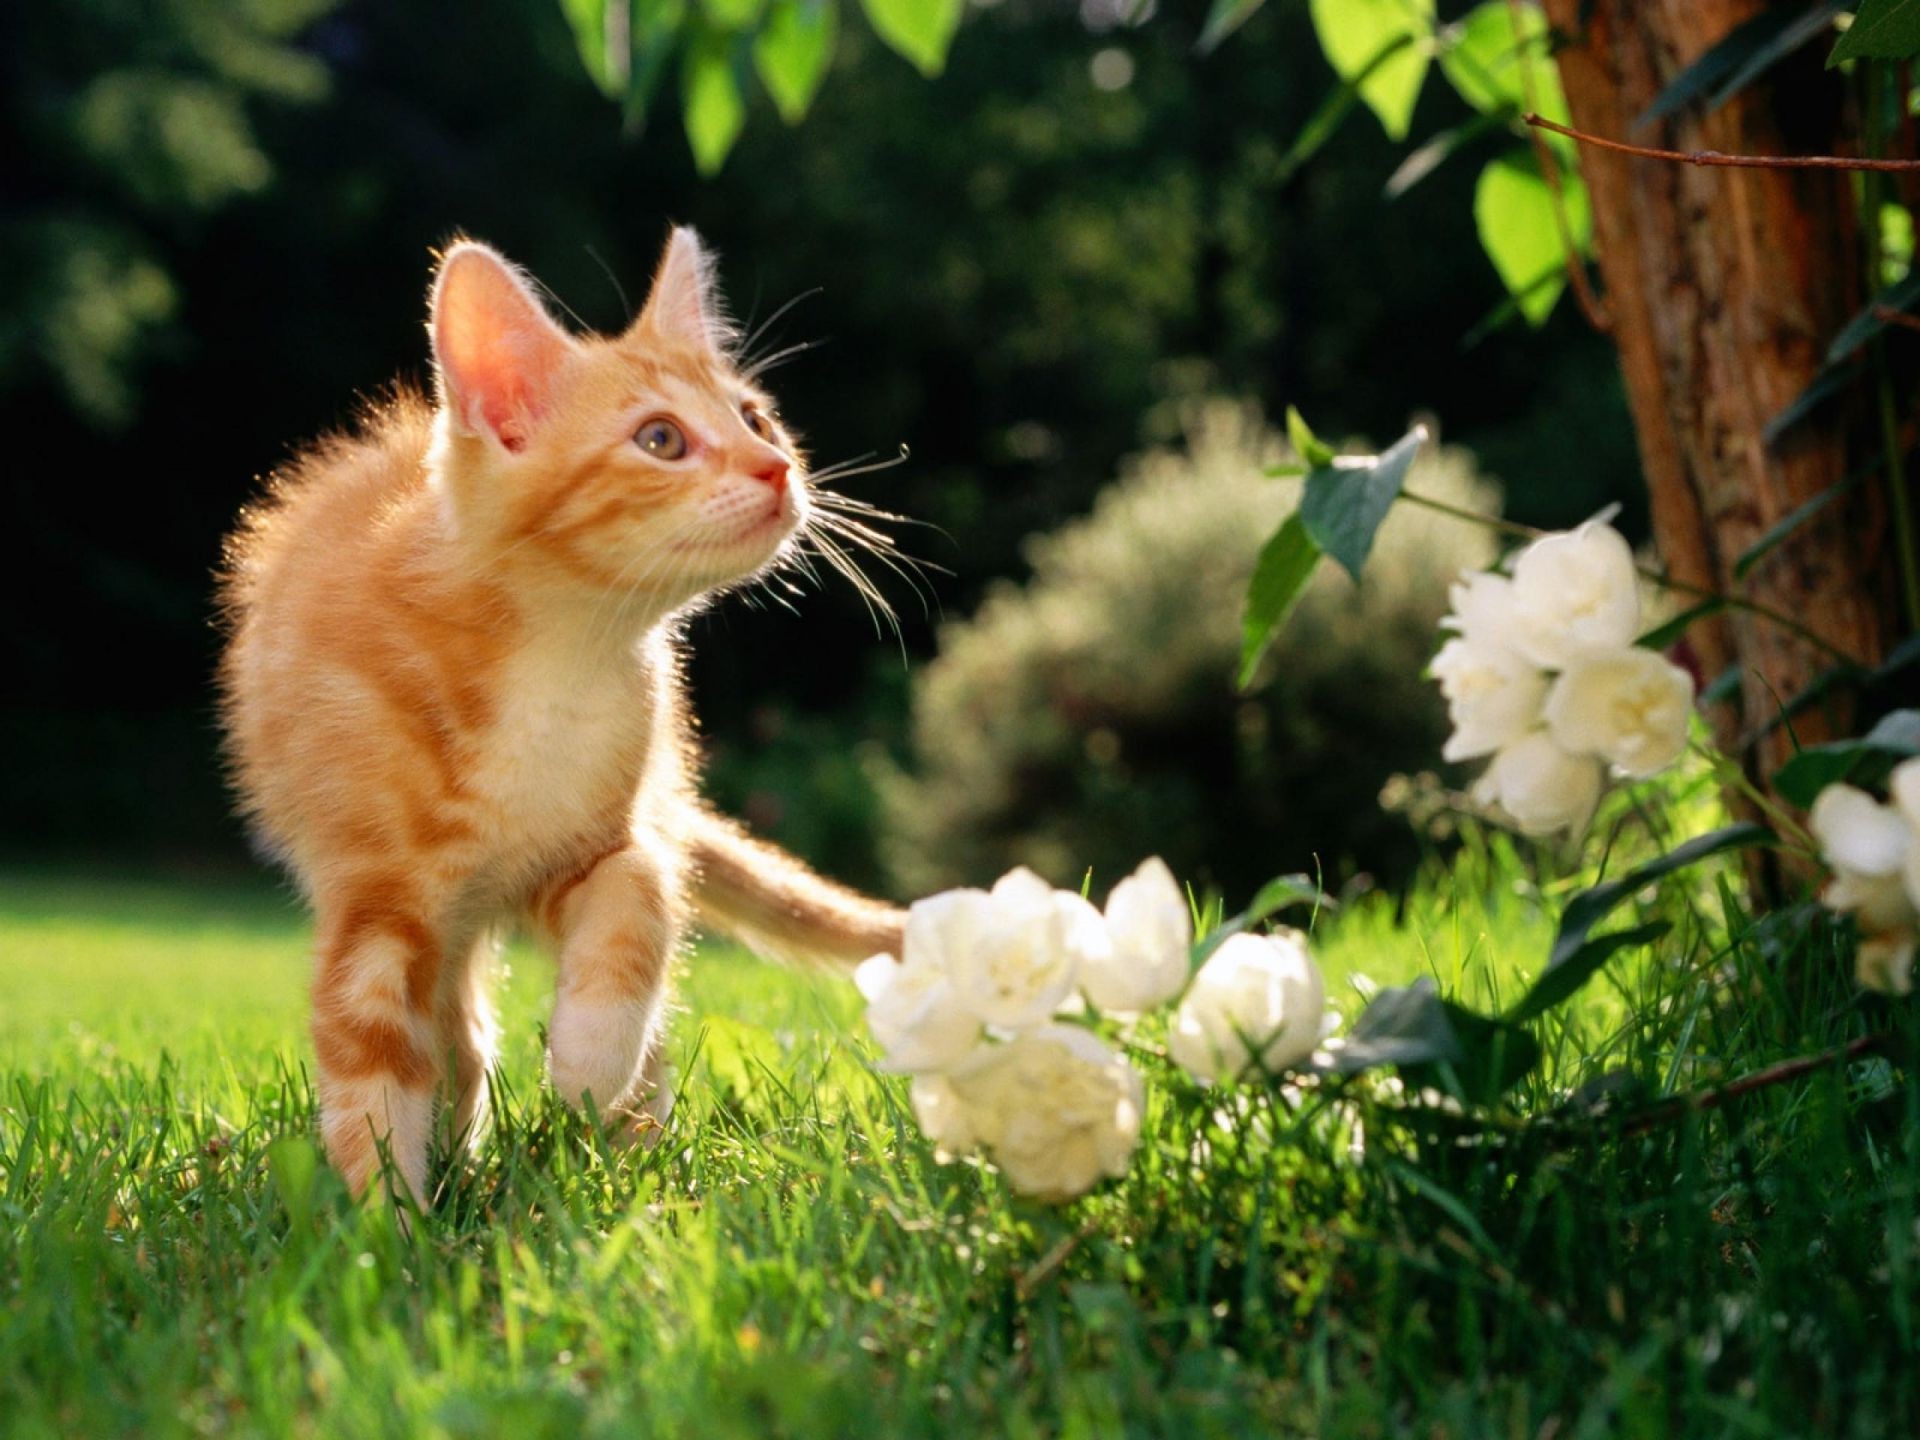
[1591,304]
[1720,158]
[1666,582]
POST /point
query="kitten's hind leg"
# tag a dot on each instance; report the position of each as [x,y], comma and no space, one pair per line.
[617,925]
[375,1039]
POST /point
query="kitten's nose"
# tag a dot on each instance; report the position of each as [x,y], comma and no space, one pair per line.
[771,472]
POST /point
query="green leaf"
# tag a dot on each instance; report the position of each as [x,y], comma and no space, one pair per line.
[1723,687]
[1354,32]
[792,51]
[1483,55]
[656,35]
[1285,565]
[1661,636]
[294,1163]
[1344,503]
[1881,30]
[1429,157]
[1590,907]
[1867,324]
[1324,123]
[1513,209]
[1788,523]
[1561,982]
[711,107]
[1829,382]
[1307,445]
[1864,760]
[588,19]
[732,14]
[920,30]
[1281,893]
[1225,17]
[1434,1041]
[1745,53]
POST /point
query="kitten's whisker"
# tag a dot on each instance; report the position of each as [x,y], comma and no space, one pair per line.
[780,357]
[753,336]
[858,465]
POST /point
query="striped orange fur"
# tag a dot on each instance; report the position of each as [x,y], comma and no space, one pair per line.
[453,700]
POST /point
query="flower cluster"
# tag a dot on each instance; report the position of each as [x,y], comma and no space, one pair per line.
[1542,675]
[991,1007]
[1874,853]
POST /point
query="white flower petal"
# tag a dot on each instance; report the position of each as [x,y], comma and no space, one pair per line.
[1257,998]
[1857,834]
[1573,592]
[1627,705]
[1542,788]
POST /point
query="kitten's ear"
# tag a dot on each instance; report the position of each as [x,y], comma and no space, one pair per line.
[495,347]
[684,304]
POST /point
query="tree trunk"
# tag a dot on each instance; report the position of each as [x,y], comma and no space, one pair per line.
[1724,287]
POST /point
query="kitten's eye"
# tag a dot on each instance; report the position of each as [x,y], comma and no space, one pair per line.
[662,439]
[757,423]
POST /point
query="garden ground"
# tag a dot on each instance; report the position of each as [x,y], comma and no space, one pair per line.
[794,1260]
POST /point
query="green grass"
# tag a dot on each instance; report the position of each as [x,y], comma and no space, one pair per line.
[795,1262]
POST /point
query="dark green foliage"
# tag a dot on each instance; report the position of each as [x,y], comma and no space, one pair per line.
[1087,718]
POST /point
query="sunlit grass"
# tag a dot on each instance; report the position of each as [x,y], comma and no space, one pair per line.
[794,1260]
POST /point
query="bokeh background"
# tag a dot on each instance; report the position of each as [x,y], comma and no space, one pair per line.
[1073,275]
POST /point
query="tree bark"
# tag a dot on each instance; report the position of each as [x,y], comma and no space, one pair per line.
[1724,287]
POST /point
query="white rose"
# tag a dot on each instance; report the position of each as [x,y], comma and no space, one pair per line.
[1483,609]
[1056,1109]
[1015,954]
[1885,963]
[1492,695]
[943,1116]
[1870,849]
[912,1009]
[1573,592]
[1257,995]
[1146,960]
[1905,786]
[1540,787]
[1629,706]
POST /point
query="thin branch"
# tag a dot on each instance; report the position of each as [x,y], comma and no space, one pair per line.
[1779,1074]
[1887,315]
[1591,305]
[1716,157]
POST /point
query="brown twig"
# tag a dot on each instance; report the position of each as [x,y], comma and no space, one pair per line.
[1779,1074]
[1887,315]
[1716,157]
[1591,305]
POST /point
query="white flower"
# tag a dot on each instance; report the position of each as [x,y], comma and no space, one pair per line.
[1870,849]
[1885,963]
[1014,954]
[1483,609]
[913,1010]
[1056,1109]
[1540,787]
[1627,705]
[1573,592]
[943,1116]
[1146,960]
[1493,696]
[1257,995]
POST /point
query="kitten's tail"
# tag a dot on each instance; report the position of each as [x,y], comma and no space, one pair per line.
[777,907]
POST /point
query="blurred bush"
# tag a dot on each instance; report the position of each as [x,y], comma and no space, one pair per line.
[1088,718]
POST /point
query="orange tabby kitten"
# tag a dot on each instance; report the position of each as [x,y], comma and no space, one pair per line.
[453,698]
